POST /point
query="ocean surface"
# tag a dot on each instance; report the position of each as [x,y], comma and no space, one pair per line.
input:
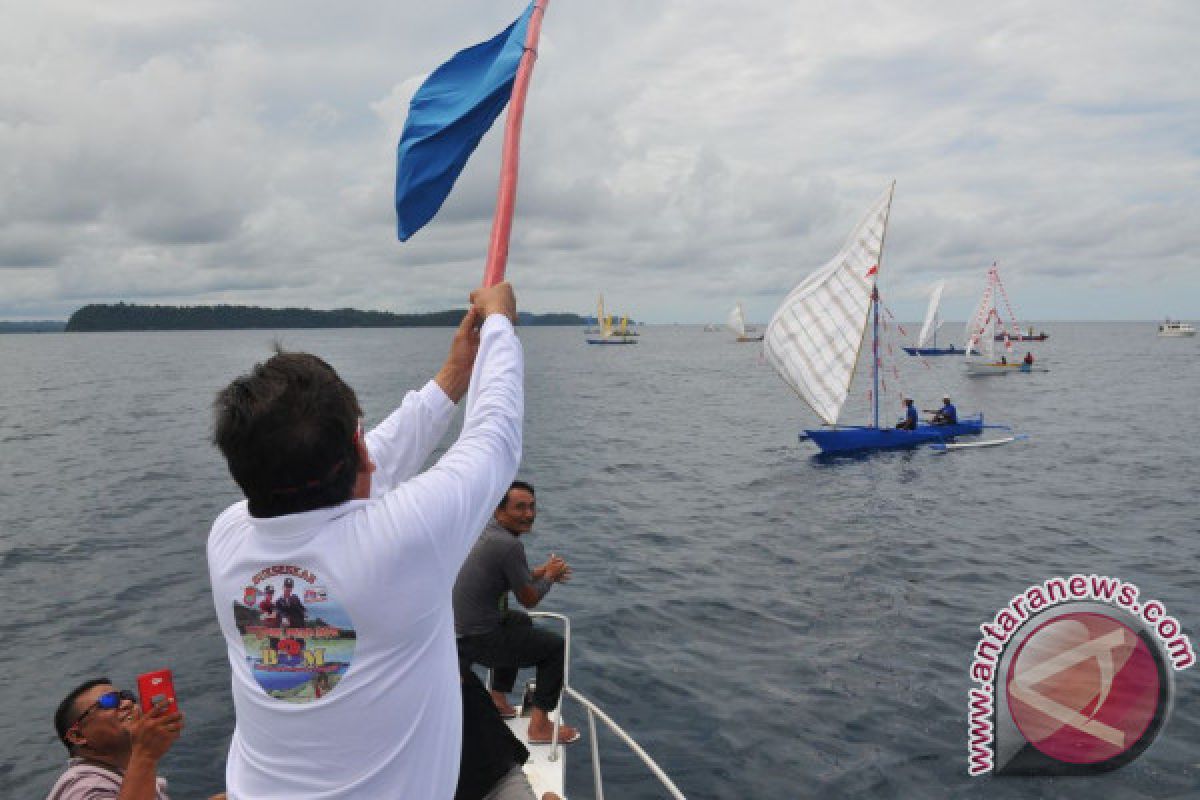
[765,623]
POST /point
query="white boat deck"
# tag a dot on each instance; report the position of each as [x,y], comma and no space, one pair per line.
[547,764]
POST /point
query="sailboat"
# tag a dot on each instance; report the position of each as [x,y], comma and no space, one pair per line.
[607,334]
[737,324]
[814,339]
[927,338]
[981,336]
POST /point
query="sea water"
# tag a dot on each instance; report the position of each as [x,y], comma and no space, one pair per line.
[765,623]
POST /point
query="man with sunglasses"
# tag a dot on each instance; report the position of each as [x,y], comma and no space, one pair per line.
[114,748]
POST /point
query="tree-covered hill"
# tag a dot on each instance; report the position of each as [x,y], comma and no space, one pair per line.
[132,317]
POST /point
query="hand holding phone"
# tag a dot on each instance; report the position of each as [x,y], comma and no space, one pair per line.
[156,687]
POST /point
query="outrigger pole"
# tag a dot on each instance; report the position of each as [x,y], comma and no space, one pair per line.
[497,257]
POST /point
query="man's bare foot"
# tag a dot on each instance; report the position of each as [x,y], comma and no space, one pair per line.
[566,734]
[502,705]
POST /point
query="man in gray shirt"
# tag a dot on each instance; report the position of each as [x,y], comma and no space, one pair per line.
[491,634]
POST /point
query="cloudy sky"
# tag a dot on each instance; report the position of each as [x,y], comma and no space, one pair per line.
[677,154]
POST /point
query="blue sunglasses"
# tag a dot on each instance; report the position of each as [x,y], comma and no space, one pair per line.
[107,702]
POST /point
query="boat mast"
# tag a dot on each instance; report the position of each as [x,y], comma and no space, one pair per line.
[875,349]
[875,306]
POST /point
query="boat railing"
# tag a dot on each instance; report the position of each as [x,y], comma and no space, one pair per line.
[594,713]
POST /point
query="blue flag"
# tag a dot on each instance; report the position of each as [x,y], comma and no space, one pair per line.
[447,117]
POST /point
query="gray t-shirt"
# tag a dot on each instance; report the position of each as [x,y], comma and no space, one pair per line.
[495,566]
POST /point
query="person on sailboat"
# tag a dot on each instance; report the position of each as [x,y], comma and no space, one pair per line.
[1028,359]
[946,415]
[909,423]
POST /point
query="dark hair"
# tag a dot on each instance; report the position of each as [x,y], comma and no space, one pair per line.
[64,713]
[286,430]
[516,485]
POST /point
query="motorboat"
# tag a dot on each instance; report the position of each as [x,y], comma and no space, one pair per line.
[1173,327]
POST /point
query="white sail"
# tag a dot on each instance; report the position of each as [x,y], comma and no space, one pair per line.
[981,328]
[928,328]
[737,321]
[814,338]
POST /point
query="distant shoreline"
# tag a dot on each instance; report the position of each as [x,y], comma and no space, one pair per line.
[33,326]
[129,317]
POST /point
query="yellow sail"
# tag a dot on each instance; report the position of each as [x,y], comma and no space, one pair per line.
[604,321]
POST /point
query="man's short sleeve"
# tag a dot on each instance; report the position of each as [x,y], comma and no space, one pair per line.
[515,566]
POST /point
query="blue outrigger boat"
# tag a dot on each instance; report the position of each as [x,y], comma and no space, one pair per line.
[935,351]
[850,438]
[814,339]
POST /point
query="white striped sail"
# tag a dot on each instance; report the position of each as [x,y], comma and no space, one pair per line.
[737,321]
[814,338]
[931,314]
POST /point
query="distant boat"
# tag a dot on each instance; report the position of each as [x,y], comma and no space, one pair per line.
[737,324]
[927,338]
[981,336]
[1027,336]
[814,338]
[1013,332]
[607,334]
[1173,327]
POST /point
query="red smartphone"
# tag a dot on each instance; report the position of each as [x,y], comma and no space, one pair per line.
[155,687]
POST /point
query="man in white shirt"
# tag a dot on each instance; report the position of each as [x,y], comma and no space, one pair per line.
[363,700]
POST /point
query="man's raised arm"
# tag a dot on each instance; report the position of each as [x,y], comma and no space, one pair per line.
[456,496]
[401,444]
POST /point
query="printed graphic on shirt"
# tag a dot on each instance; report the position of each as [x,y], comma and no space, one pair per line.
[299,641]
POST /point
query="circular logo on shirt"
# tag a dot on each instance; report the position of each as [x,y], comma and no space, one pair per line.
[298,641]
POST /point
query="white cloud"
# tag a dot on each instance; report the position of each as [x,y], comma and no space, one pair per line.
[676,153]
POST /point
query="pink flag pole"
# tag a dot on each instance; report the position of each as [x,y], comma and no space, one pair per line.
[497,258]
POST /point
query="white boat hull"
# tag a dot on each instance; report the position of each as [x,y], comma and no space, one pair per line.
[991,368]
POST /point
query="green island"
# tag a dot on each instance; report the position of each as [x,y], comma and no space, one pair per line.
[133,317]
